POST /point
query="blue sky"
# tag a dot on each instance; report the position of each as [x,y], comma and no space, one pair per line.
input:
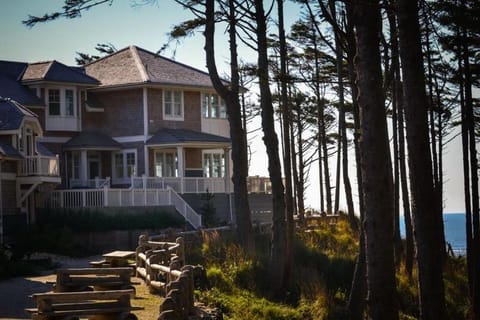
[146,26]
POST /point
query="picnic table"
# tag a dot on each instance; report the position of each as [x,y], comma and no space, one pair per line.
[119,258]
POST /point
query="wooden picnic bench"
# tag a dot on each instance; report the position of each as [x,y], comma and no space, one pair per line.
[82,279]
[116,258]
[96,305]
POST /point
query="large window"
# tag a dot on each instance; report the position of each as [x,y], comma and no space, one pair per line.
[172,105]
[125,164]
[214,165]
[165,164]
[54,102]
[76,165]
[69,103]
[213,106]
[62,102]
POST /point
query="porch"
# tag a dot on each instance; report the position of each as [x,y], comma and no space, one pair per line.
[39,165]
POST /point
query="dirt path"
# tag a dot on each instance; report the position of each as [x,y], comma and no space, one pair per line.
[15,293]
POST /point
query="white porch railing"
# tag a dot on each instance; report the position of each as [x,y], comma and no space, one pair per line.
[96,183]
[183,185]
[106,197]
[38,166]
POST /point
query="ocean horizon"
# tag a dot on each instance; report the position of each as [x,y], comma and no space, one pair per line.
[454,226]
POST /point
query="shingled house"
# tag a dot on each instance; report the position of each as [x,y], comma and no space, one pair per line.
[130,129]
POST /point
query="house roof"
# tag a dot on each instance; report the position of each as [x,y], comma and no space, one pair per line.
[7,151]
[12,114]
[10,87]
[180,136]
[56,72]
[133,65]
[44,151]
[92,140]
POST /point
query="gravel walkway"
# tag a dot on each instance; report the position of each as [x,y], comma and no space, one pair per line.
[15,292]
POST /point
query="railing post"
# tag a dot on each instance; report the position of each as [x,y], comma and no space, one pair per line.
[105,196]
[84,198]
[144,181]
[62,194]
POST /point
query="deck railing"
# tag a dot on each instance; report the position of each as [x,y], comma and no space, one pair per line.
[183,184]
[255,184]
[38,166]
[106,197]
[96,183]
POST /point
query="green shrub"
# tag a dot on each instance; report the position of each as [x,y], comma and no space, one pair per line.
[86,220]
[219,280]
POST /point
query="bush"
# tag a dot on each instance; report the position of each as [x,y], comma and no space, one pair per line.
[219,280]
[85,220]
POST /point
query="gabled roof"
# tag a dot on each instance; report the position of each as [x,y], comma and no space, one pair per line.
[91,141]
[56,72]
[179,136]
[12,114]
[133,65]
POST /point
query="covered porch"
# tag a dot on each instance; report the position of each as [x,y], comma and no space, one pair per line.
[89,160]
[188,162]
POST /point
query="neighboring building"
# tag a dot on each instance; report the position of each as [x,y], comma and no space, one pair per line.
[129,129]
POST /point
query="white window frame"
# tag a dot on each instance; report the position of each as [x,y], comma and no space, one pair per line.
[173,115]
[63,102]
[208,110]
[210,171]
[76,154]
[125,173]
[161,153]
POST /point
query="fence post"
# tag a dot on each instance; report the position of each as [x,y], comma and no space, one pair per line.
[105,196]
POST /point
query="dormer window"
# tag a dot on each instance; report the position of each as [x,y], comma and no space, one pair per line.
[173,105]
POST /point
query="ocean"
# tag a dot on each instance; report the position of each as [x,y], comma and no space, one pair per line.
[454,226]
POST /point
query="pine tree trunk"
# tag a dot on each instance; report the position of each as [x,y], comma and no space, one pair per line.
[278,259]
[376,165]
[470,121]
[342,127]
[432,299]
[237,131]
[285,107]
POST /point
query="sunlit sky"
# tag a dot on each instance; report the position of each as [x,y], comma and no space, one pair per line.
[122,24]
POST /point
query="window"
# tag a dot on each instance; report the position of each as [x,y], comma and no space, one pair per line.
[173,105]
[76,165]
[214,165]
[165,164]
[61,102]
[54,102]
[69,103]
[213,106]
[125,164]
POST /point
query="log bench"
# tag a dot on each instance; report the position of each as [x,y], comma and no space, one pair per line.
[111,305]
[87,279]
